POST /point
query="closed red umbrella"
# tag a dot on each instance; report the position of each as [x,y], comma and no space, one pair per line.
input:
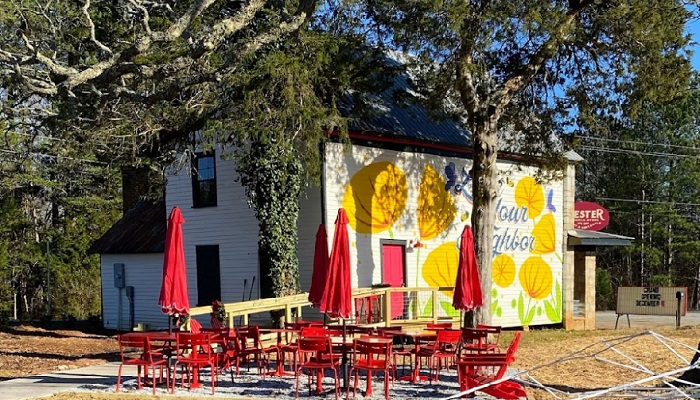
[336,301]
[173,291]
[318,276]
[467,295]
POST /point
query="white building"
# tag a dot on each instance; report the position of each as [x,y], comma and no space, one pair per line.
[404,183]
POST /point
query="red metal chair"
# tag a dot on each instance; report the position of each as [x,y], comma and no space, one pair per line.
[316,356]
[443,349]
[371,356]
[145,357]
[484,369]
[494,336]
[194,351]
[227,349]
[399,349]
[474,340]
[251,345]
[290,346]
[322,331]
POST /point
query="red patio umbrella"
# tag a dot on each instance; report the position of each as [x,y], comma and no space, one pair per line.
[336,301]
[467,295]
[318,276]
[173,291]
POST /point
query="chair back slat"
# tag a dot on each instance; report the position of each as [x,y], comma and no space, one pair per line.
[388,331]
[249,337]
[449,336]
[193,342]
[310,331]
[436,326]
[371,348]
[132,341]
[493,331]
[304,323]
[474,335]
[315,344]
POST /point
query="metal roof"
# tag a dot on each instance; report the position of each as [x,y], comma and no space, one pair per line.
[582,237]
[393,113]
[140,230]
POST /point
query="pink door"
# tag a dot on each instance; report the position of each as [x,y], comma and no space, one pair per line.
[393,274]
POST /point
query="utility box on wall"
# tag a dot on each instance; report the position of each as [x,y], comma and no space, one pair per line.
[119,278]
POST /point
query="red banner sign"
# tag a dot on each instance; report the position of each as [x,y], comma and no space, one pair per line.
[590,216]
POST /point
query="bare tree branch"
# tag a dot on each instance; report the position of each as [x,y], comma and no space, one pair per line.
[91,25]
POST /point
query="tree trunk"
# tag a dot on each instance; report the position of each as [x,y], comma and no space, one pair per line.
[485,194]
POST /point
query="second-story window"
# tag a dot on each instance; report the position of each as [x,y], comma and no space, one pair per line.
[204,180]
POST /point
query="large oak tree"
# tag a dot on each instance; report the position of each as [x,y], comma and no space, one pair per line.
[531,69]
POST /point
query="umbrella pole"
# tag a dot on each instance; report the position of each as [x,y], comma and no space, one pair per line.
[345,360]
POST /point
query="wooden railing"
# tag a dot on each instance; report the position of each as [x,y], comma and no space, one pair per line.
[419,305]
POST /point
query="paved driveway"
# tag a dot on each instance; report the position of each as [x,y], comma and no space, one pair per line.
[606,320]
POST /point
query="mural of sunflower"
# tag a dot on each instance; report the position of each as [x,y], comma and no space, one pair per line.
[529,193]
[440,267]
[503,270]
[545,235]
[375,197]
[436,208]
[536,278]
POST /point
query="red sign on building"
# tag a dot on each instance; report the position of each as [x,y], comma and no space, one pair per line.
[590,216]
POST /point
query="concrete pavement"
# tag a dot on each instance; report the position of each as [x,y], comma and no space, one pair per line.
[606,320]
[58,381]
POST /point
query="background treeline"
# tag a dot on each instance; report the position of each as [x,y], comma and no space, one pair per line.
[54,202]
[644,167]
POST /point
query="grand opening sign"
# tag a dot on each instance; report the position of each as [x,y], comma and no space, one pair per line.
[590,216]
[651,300]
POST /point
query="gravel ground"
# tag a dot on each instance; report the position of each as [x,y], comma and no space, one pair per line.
[252,385]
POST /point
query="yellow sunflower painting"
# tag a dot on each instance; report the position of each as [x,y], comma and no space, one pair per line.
[375,197]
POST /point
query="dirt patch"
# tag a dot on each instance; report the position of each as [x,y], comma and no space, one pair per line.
[28,350]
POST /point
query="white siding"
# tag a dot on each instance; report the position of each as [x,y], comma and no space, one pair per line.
[310,217]
[342,165]
[231,225]
[142,271]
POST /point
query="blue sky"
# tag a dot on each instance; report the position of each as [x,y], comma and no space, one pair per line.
[693,27]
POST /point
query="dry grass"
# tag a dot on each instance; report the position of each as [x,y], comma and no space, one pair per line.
[590,357]
[28,350]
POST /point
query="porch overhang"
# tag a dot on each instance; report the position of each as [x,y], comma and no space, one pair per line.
[582,237]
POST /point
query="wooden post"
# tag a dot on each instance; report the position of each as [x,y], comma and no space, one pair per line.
[387,306]
[287,314]
[435,305]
